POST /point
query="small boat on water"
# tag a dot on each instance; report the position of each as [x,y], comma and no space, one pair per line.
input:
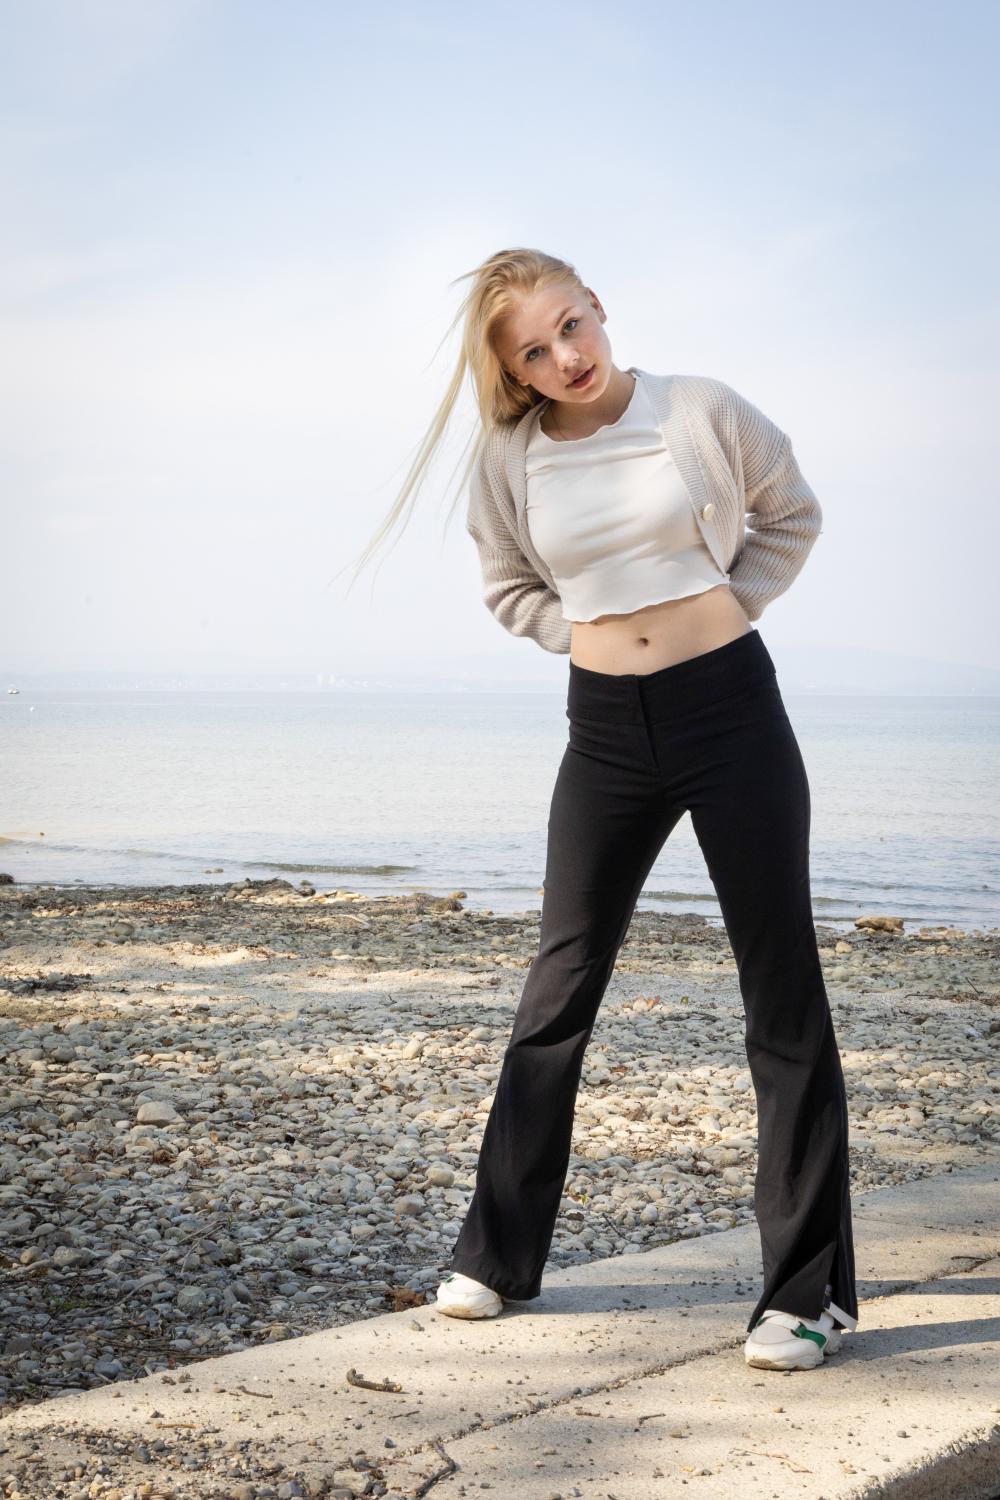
[13,690]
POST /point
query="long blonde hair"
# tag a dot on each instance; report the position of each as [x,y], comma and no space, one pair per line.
[496,284]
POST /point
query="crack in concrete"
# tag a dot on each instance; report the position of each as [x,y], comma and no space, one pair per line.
[582,1393]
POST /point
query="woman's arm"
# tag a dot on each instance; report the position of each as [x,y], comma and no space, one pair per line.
[522,602]
[512,589]
[783,513]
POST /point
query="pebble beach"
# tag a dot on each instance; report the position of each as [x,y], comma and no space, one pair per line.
[234,1114]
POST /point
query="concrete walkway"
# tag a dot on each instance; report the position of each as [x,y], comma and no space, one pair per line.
[624,1380]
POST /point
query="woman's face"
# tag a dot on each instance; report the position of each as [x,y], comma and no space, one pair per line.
[553,336]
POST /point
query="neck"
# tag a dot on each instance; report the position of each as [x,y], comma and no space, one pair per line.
[572,420]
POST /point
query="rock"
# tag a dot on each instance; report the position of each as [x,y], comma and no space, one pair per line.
[157,1112]
[351,1480]
[192,1299]
[880,924]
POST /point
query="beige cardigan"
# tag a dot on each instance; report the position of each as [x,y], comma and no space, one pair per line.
[735,464]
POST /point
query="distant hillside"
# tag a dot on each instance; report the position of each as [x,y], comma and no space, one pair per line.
[860,669]
[802,668]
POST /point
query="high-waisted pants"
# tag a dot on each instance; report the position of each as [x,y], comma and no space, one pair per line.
[708,735]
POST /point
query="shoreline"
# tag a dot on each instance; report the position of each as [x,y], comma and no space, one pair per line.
[238,1113]
[646,904]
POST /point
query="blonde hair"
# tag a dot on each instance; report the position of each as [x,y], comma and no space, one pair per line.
[496,284]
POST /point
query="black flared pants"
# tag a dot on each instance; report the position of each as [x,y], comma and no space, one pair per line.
[709,735]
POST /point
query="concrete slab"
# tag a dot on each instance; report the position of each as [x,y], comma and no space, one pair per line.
[664,1327]
[973,1199]
[913,1409]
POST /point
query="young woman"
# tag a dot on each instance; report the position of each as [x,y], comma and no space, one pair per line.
[608,507]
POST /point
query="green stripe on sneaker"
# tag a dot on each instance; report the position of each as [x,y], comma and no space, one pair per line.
[802,1332]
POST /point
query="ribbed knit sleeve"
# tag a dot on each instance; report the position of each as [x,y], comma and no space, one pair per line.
[783,513]
[784,518]
[512,590]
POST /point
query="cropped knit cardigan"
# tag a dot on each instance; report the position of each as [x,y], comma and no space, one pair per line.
[736,465]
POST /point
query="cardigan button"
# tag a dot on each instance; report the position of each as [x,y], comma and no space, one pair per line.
[708,511]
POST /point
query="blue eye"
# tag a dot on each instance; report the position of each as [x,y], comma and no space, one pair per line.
[527,357]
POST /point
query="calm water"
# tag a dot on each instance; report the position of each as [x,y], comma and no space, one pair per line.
[380,792]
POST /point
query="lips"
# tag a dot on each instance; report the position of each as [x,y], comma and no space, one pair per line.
[581,378]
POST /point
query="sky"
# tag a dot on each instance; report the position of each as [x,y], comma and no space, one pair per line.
[230,255]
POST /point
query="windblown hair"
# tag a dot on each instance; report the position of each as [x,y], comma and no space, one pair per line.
[496,285]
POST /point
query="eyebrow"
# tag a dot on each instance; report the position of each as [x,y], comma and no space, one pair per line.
[532,342]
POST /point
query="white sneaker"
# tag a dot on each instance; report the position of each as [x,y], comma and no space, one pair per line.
[459,1296]
[781,1341]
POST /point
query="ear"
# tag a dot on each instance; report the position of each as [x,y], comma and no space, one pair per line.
[595,303]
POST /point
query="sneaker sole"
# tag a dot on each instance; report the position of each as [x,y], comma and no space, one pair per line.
[758,1362]
[799,1358]
[457,1310]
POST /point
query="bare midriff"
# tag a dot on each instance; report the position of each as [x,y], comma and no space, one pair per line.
[660,635]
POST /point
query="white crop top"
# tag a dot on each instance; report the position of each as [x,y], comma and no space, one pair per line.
[611,518]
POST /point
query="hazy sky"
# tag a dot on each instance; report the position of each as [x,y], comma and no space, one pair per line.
[227,239]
